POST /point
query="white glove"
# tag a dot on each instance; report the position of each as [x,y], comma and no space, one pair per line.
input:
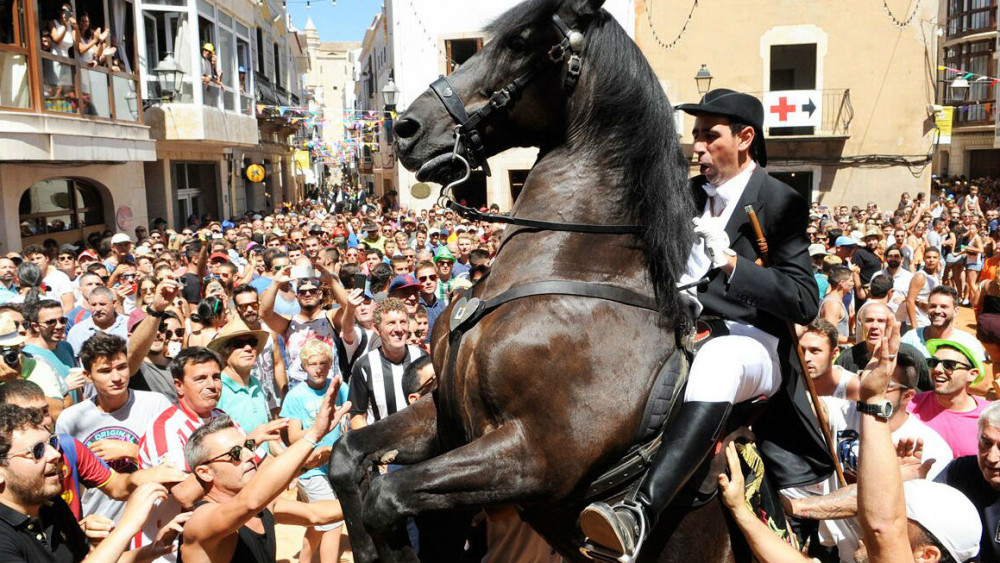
[714,236]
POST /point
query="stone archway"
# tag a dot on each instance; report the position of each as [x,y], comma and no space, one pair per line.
[66,209]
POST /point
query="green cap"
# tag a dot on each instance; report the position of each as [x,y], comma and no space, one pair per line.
[444,254]
[977,361]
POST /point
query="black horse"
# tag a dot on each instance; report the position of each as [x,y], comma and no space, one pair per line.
[540,394]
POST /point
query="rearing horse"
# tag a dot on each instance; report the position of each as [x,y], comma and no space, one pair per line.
[544,391]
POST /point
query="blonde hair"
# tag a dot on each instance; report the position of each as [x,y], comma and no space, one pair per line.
[315,348]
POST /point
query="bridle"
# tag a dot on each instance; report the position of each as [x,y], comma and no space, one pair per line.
[469,148]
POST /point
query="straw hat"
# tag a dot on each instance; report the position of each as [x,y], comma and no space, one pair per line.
[235,329]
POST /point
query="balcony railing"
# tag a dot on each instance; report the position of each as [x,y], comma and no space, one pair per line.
[66,86]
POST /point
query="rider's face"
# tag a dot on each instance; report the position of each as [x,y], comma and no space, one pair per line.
[717,148]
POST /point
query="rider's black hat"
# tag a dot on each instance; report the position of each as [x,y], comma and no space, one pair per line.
[739,107]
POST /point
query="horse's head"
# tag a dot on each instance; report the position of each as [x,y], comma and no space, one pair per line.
[512,93]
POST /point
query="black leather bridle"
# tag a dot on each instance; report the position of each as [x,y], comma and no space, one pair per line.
[469,148]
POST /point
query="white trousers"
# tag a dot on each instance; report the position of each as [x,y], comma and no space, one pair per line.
[735,368]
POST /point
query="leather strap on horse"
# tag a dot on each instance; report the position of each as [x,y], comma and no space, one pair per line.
[476,215]
[468,311]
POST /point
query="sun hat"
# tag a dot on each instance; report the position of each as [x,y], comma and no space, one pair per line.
[976,358]
[873,232]
[236,329]
[947,514]
[9,335]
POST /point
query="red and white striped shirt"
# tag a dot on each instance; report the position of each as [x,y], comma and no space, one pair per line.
[164,441]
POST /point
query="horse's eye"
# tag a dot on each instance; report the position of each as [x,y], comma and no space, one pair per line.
[518,43]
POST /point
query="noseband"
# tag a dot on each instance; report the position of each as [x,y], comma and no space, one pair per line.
[469,133]
[469,148]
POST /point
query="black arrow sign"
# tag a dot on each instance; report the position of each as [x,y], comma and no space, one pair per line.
[809,107]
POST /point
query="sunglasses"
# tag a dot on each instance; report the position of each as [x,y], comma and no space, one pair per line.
[54,322]
[948,365]
[37,452]
[234,454]
[66,258]
[242,342]
[432,277]
[178,332]
[129,276]
[310,291]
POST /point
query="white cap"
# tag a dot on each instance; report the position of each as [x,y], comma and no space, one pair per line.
[817,250]
[947,514]
[120,238]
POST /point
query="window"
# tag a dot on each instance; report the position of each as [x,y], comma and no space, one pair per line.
[196,185]
[977,57]
[458,51]
[86,52]
[971,16]
[277,66]
[793,67]
[210,61]
[63,206]
[15,82]
[167,32]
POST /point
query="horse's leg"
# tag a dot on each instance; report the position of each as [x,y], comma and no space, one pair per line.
[502,466]
[411,433]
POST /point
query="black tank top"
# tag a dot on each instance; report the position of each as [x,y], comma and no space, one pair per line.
[251,547]
[991,305]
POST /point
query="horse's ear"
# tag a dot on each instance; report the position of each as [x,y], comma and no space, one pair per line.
[578,13]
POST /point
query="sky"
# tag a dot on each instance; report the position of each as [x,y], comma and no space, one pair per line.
[347,21]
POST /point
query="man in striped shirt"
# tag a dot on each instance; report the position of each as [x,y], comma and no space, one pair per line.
[377,378]
[197,374]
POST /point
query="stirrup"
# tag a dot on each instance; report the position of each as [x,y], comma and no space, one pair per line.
[604,555]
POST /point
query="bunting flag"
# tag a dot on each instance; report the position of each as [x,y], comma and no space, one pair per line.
[972,76]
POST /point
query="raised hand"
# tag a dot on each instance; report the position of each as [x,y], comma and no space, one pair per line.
[912,465]
[328,416]
[139,505]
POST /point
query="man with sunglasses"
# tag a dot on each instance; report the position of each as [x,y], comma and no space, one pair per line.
[269,368]
[242,503]
[66,262]
[312,321]
[427,276]
[243,396]
[950,409]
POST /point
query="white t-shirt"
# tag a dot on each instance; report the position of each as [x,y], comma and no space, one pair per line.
[900,286]
[59,284]
[88,424]
[845,424]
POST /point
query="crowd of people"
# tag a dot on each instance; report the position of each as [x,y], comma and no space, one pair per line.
[162,389]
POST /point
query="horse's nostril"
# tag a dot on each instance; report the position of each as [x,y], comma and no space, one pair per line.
[406,128]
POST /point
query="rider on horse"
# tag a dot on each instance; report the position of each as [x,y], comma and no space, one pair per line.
[750,305]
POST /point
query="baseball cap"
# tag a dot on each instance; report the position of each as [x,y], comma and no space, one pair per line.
[947,514]
[66,247]
[120,238]
[444,254]
[434,231]
[817,250]
[218,256]
[227,224]
[403,281]
[977,358]
[737,106]
[87,254]
[845,241]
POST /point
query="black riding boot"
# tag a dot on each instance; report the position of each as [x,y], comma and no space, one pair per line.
[687,441]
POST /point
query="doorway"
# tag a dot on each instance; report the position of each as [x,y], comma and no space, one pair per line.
[800,180]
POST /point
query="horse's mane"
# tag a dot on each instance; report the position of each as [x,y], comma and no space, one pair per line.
[620,112]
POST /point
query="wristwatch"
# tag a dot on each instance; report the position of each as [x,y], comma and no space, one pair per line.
[881,409]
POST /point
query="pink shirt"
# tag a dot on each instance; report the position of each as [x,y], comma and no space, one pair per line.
[959,429]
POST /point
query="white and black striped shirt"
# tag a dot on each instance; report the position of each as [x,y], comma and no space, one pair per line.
[377,384]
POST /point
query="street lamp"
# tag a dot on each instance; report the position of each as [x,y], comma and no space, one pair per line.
[390,95]
[169,77]
[703,79]
[958,90]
